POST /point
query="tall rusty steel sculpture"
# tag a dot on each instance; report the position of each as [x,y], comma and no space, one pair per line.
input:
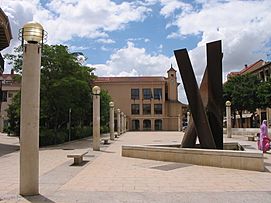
[206,103]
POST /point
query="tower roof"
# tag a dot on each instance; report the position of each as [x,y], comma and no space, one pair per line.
[171,69]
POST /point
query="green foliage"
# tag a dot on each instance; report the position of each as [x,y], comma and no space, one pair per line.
[105,99]
[241,91]
[50,137]
[65,84]
[80,132]
[13,113]
[264,94]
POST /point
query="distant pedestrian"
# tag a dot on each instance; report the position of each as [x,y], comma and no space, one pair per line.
[264,143]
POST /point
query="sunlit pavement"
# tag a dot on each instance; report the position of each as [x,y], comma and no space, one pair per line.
[109,177]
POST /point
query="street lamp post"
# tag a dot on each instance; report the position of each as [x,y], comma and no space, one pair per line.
[179,122]
[96,118]
[228,116]
[111,122]
[33,34]
[188,118]
[118,121]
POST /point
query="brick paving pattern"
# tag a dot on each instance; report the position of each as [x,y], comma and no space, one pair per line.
[109,177]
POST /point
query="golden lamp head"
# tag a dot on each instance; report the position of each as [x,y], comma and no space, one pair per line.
[228,103]
[111,104]
[32,32]
[96,90]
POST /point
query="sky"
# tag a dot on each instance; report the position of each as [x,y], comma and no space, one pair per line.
[138,37]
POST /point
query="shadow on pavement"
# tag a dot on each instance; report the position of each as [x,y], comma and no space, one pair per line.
[38,199]
[7,149]
[107,151]
[82,164]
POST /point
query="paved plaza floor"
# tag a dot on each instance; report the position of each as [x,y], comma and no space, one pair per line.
[106,176]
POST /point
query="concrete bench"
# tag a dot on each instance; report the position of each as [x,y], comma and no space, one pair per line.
[252,137]
[78,158]
[105,140]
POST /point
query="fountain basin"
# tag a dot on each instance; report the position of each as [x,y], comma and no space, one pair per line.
[233,156]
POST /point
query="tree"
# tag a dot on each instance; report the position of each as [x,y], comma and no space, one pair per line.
[241,91]
[65,84]
[13,113]
[105,99]
[264,94]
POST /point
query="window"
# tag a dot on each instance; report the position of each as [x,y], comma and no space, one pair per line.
[134,93]
[158,109]
[135,109]
[146,109]
[166,92]
[158,124]
[135,125]
[10,95]
[147,94]
[157,93]
[146,124]
[4,96]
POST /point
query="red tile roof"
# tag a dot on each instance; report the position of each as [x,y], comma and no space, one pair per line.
[249,68]
[128,79]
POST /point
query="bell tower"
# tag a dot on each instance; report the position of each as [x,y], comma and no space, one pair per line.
[172,84]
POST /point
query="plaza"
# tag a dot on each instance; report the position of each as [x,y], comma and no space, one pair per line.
[106,176]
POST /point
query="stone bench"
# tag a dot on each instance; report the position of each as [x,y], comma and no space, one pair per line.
[78,158]
[252,137]
[105,140]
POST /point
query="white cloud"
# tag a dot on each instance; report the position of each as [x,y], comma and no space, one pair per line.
[138,39]
[170,6]
[91,18]
[103,48]
[241,25]
[105,41]
[146,40]
[134,61]
[64,20]
[130,58]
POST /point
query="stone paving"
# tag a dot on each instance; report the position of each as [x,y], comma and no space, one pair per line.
[109,177]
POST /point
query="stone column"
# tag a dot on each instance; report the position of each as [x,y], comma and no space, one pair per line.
[29,124]
[118,121]
[111,124]
[125,123]
[121,122]
[228,116]
[179,122]
[96,118]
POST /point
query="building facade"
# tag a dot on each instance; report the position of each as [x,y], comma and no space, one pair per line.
[10,88]
[150,103]
[5,36]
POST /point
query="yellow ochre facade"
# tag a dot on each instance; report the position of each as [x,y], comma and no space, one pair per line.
[150,103]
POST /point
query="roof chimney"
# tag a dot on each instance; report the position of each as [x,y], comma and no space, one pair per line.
[12,72]
[245,65]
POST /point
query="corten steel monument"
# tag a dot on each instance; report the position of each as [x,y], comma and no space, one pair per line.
[206,103]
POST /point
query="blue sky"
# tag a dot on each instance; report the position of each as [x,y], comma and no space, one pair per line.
[137,37]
